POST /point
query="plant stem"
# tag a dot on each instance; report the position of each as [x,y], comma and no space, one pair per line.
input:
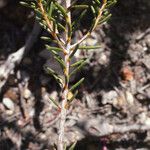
[64,100]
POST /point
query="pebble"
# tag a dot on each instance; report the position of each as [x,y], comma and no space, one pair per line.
[129,97]
[109,97]
[27,94]
[147,121]
[8,103]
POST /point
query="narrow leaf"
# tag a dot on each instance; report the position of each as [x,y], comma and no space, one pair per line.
[25,4]
[105,19]
[54,102]
[80,6]
[76,22]
[55,75]
[61,9]
[47,39]
[78,68]
[73,146]
[50,10]
[60,61]
[51,48]
[78,63]
[89,47]
[93,11]
[98,2]
[77,84]
[111,3]
[74,51]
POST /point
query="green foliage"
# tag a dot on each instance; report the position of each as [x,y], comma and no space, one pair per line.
[62,21]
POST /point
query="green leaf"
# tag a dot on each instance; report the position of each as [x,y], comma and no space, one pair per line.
[111,3]
[51,48]
[89,47]
[98,2]
[55,75]
[54,102]
[75,24]
[73,146]
[60,61]
[25,4]
[48,39]
[78,68]
[65,146]
[74,51]
[77,84]
[61,9]
[105,19]
[61,26]
[80,6]
[78,63]
[93,11]
[50,10]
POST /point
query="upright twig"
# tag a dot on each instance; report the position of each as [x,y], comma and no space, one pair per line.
[66,84]
[57,18]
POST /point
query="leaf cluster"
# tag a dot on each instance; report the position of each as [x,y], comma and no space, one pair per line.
[53,16]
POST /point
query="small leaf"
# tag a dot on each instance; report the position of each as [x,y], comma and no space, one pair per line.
[60,61]
[111,3]
[54,102]
[93,10]
[74,51]
[76,22]
[55,75]
[73,146]
[78,63]
[105,19]
[25,4]
[80,6]
[89,47]
[50,10]
[65,146]
[47,39]
[77,84]
[98,2]
[78,68]
[61,9]
[56,49]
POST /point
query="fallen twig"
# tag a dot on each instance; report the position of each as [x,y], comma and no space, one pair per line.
[16,57]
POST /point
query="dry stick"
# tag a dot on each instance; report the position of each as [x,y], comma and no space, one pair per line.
[16,57]
[107,129]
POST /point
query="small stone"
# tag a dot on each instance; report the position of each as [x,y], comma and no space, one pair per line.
[8,103]
[27,94]
[147,121]
[9,112]
[109,97]
[129,98]
[102,59]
